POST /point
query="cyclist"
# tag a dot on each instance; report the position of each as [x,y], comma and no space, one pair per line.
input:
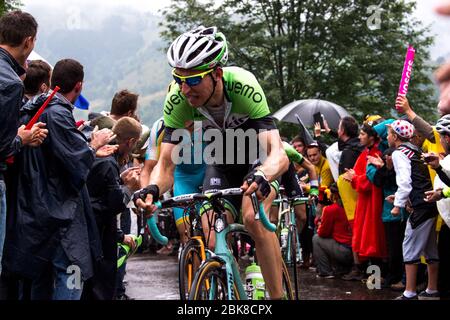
[224,98]
[187,177]
[292,186]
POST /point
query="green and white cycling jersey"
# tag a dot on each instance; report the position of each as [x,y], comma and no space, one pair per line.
[245,106]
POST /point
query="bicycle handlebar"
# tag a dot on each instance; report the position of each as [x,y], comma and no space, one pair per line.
[260,214]
[154,230]
[183,200]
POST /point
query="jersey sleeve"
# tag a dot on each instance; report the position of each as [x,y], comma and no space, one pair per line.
[176,108]
[248,97]
[292,154]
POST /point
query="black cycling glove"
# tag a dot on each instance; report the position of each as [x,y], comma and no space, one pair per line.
[260,179]
[152,189]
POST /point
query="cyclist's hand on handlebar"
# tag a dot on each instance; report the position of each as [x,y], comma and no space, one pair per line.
[256,181]
[143,199]
[147,207]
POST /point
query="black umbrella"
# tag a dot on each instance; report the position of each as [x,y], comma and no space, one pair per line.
[305,109]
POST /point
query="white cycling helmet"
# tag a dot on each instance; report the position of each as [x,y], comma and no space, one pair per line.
[199,49]
[443,125]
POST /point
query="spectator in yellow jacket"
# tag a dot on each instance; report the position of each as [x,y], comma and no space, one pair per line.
[321,164]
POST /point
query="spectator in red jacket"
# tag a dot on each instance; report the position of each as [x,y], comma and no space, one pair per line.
[332,245]
[368,240]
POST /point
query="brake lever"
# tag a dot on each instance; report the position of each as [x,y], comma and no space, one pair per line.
[255,204]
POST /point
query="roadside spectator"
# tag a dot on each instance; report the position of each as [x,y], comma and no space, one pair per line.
[37,80]
[17,38]
[381,173]
[321,164]
[299,144]
[368,233]
[124,104]
[413,180]
[350,148]
[332,153]
[108,199]
[428,138]
[51,226]
[332,243]
[440,194]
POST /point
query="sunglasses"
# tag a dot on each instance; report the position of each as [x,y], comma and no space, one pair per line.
[190,80]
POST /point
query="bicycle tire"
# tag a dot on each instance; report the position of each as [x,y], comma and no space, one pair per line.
[186,267]
[210,270]
[287,285]
[293,248]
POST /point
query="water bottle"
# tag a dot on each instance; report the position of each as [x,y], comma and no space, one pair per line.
[284,237]
[256,287]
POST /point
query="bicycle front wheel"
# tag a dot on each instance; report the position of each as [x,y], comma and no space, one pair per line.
[190,260]
[210,283]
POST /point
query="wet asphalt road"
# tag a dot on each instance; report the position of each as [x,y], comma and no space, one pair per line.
[155,277]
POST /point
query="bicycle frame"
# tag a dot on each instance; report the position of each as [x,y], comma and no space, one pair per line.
[223,254]
[292,225]
[288,214]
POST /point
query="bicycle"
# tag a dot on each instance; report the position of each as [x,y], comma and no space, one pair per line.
[290,246]
[218,277]
[194,252]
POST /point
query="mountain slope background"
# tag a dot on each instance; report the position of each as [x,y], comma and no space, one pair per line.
[119,47]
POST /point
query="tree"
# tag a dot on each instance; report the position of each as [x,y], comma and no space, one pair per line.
[9,5]
[326,49]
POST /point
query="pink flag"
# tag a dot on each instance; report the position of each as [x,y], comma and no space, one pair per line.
[407,70]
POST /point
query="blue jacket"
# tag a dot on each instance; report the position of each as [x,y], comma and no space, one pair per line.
[11,92]
[52,206]
[382,132]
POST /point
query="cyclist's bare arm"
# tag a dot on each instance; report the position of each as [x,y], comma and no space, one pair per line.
[147,170]
[308,166]
[276,163]
[162,176]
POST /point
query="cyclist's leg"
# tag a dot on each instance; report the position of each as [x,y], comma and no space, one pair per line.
[185,181]
[293,189]
[267,249]
[216,179]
